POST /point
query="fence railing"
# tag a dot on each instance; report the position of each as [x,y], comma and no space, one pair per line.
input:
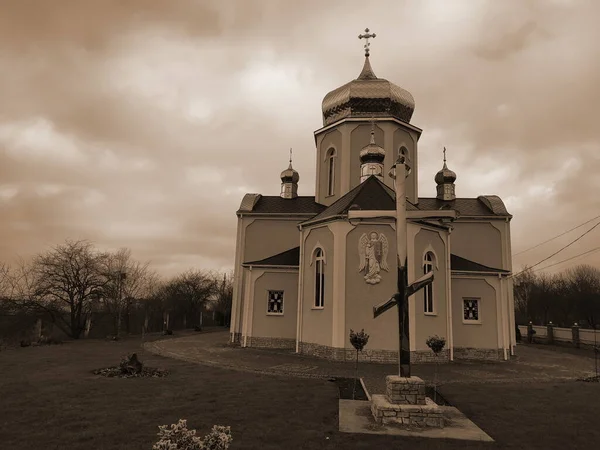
[549,333]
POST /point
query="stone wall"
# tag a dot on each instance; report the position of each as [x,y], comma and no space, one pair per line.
[465,353]
[270,342]
[367,355]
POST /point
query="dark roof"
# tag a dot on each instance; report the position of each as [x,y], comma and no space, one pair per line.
[465,265]
[488,205]
[290,257]
[274,204]
[371,194]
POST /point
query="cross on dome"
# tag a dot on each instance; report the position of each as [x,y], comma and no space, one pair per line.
[366,37]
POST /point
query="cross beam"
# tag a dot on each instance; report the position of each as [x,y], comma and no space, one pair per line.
[366,37]
[399,172]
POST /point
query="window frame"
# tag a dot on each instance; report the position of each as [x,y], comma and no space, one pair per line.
[469,321]
[429,291]
[330,158]
[319,278]
[270,313]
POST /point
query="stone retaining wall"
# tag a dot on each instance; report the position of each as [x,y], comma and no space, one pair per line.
[478,353]
[367,355]
[271,342]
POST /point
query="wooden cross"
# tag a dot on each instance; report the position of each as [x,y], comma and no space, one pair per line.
[405,290]
[366,37]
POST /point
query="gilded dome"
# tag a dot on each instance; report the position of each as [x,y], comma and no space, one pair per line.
[368,96]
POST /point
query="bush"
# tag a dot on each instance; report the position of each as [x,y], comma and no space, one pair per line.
[178,437]
[168,332]
[436,343]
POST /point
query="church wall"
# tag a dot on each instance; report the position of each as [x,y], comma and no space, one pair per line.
[267,237]
[359,138]
[475,340]
[427,324]
[403,138]
[270,330]
[361,296]
[331,139]
[317,322]
[480,242]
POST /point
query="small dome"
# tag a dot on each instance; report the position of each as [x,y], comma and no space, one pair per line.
[367,96]
[289,175]
[372,151]
[445,175]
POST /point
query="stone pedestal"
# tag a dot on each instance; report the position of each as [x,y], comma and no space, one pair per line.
[405,403]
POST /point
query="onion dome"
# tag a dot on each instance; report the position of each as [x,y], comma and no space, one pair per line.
[372,152]
[367,96]
[445,175]
[290,175]
[289,181]
[445,179]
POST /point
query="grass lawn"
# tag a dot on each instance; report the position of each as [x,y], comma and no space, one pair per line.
[50,400]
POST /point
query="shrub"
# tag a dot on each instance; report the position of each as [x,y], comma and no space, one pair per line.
[168,332]
[178,437]
[436,343]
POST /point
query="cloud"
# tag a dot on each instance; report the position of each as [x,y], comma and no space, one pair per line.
[142,123]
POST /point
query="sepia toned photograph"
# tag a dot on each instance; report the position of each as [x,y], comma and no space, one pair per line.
[273,224]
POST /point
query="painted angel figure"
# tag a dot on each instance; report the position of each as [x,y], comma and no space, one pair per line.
[373,251]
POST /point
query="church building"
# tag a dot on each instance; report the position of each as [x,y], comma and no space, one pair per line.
[308,269]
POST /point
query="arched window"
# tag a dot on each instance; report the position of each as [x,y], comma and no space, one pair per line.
[331,155]
[428,291]
[319,278]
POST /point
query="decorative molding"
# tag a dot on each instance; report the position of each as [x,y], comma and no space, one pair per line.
[318,245]
[373,251]
[429,249]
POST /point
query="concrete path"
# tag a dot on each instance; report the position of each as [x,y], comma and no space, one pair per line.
[533,363]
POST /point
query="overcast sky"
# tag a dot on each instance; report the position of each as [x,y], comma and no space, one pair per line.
[142,123]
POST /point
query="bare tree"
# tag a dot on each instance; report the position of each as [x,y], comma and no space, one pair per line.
[64,282]
[188,292]
[584,289]
[126,282]
[224,298]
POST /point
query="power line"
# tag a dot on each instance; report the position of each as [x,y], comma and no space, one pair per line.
[556,237]
[556,253]
[594,250]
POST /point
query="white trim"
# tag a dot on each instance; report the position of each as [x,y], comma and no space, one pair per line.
[246,306]
[282,303]
[411,231]
[377,119]
[358,214]
[449,303]
[503,321]
[340,232]
[300,290]
[429,249]
[318,245]
[471,322]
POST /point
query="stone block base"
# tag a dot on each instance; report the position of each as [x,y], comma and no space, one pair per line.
[427,415]
[405,391]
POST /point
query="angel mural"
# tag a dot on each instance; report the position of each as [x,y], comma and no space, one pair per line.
[373,251]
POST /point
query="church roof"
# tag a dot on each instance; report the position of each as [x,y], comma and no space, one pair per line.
[484,205]
[460,264]
[371,194]
[288,258]
[274,204]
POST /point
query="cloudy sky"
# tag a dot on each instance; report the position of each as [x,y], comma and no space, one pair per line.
[141,123]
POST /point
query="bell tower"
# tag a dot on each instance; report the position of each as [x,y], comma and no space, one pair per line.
[362,112]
